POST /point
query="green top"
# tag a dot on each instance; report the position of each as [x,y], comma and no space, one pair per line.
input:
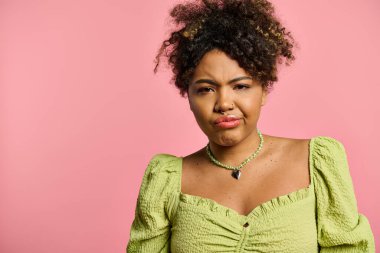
[320,218]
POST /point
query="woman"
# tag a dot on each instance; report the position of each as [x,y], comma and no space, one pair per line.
[244,191]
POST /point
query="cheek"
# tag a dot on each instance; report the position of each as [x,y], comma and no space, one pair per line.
[199,109]
[203,118]
[201,113]
[251,106]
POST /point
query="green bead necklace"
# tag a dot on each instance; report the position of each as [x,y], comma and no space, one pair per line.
[236,170]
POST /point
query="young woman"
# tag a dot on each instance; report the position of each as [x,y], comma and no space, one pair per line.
[245,191]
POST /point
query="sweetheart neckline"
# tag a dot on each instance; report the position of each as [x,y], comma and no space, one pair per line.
[293,196]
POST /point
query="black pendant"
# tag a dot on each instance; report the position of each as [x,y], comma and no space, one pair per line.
[236,174]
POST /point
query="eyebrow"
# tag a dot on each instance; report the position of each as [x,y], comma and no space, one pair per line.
[217,84]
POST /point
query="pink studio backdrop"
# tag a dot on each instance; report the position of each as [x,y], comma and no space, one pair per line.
[81,112]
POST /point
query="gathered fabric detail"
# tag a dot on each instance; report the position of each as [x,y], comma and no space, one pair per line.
[263,209]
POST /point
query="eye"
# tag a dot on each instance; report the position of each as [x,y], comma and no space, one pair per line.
[202,89]
[206,89]
[243,86]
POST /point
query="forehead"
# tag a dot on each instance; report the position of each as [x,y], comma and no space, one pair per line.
[218,64]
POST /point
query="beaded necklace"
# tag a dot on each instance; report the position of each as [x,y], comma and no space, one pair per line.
[236,170]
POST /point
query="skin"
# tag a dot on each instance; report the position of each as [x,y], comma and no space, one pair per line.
[243,98]
[279,168]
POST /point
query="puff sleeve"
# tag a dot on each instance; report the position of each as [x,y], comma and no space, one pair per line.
[150,229]
[340,227]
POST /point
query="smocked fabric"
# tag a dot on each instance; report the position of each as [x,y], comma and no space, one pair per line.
[322,217]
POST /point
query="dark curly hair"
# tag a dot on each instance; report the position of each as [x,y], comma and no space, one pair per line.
[246,30]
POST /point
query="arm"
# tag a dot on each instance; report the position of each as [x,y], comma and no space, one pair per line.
[340,227]
[150,230]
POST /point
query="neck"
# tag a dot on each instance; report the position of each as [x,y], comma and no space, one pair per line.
[235,154]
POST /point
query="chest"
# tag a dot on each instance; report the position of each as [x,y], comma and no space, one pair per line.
[259,182]
[217,213]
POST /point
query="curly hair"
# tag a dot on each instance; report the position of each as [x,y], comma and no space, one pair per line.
[246,30]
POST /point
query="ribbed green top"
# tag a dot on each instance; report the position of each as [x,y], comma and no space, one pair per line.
[320,218]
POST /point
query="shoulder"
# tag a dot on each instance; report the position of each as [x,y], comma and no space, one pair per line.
[161,162]
[317,146]
[318,152]
[158,179]
[159,157]
[160,168]
[329,151]
[327,142]
[302,146]
[284,142]
[294,149]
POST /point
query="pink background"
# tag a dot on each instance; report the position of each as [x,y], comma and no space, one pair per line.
[82,112]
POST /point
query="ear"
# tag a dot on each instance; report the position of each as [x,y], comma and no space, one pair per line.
[264,96]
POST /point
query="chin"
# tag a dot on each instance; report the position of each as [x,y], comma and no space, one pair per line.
[226,140]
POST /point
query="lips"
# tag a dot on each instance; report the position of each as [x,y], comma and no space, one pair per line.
[226,118]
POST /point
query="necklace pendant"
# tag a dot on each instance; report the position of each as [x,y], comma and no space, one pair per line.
[236,174]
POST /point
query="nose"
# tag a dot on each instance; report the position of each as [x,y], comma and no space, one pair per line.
[224,101]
